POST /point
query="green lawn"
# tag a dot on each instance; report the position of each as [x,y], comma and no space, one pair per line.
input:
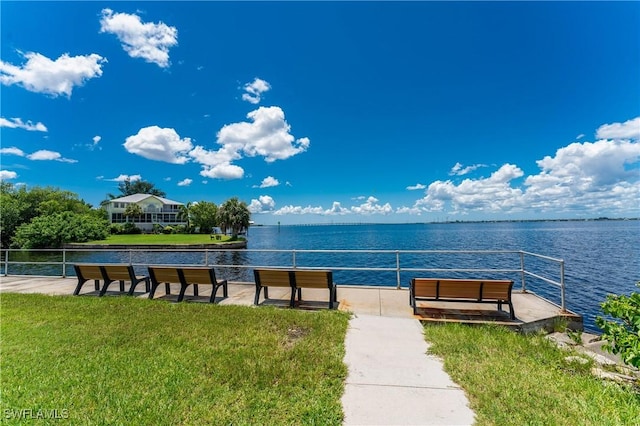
[134,239]
[514,379]
[119,360]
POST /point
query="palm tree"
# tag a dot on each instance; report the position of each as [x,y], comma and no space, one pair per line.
[133,210]
[235,215]
[184,214]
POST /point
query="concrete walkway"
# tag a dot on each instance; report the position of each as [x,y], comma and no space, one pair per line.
[392,381]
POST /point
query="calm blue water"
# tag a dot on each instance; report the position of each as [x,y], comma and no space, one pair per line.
[601,257]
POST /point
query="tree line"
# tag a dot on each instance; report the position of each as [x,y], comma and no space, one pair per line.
[47,217]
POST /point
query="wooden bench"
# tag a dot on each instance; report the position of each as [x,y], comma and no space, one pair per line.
[296,280]
[108,273]
[461,290]
[186,276]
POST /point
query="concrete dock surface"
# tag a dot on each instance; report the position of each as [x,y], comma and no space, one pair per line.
[392,380]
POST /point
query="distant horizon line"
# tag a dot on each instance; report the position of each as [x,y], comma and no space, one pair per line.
[596,219]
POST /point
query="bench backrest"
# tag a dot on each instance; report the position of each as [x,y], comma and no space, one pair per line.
[460,289]
[272,277]
[88,272]
[313,279]
[161,274]
[118,272]
[199,275]
[448,288]
[497,289]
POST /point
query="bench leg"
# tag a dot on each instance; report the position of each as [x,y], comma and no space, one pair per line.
[331,297]
[513,314]
[79,286]
[154,286]
[257,298]
[222,284]
[183,290]
[104,288]
[195,289]
[293,296]
[136,282]
[167,288]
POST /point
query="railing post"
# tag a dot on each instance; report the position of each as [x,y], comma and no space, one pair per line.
[524,285]
[6,262]
[206,257]
[398,284]
[130,257]
[64,263]
[294,258]
[563,304]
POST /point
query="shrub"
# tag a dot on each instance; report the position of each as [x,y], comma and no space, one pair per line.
[181,229]
[167,230]
[622,333]
[53,231]
[116,229]
[130,228]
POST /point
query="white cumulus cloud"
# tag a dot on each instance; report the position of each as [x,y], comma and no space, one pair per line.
[46,155]
[299,210]
[42,75]
[160,144]
[17,123]
[148,41]
[12,151]
[254,90]
[416,187]
[269,182]
[267,135]
[7,174]
[459,170]
[628,130]
[264,203]
[185,182]
[589,176]
[372,206]
[123,178]
[492,194]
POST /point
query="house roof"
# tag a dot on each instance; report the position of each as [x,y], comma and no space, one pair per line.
[136,198]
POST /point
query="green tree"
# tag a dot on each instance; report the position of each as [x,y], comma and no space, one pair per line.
[53,231]
[235,215]
[133,210]
[623,332]
[21,205]
[203,216]
[129,187]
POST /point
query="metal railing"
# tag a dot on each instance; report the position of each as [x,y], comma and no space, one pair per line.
[56,262]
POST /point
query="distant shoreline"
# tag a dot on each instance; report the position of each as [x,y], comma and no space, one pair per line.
[449,222]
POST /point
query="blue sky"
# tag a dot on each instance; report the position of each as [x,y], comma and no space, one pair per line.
[330,112]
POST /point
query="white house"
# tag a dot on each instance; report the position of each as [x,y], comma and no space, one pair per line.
[156,210]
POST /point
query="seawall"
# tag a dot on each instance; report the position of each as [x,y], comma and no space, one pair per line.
[212,246]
